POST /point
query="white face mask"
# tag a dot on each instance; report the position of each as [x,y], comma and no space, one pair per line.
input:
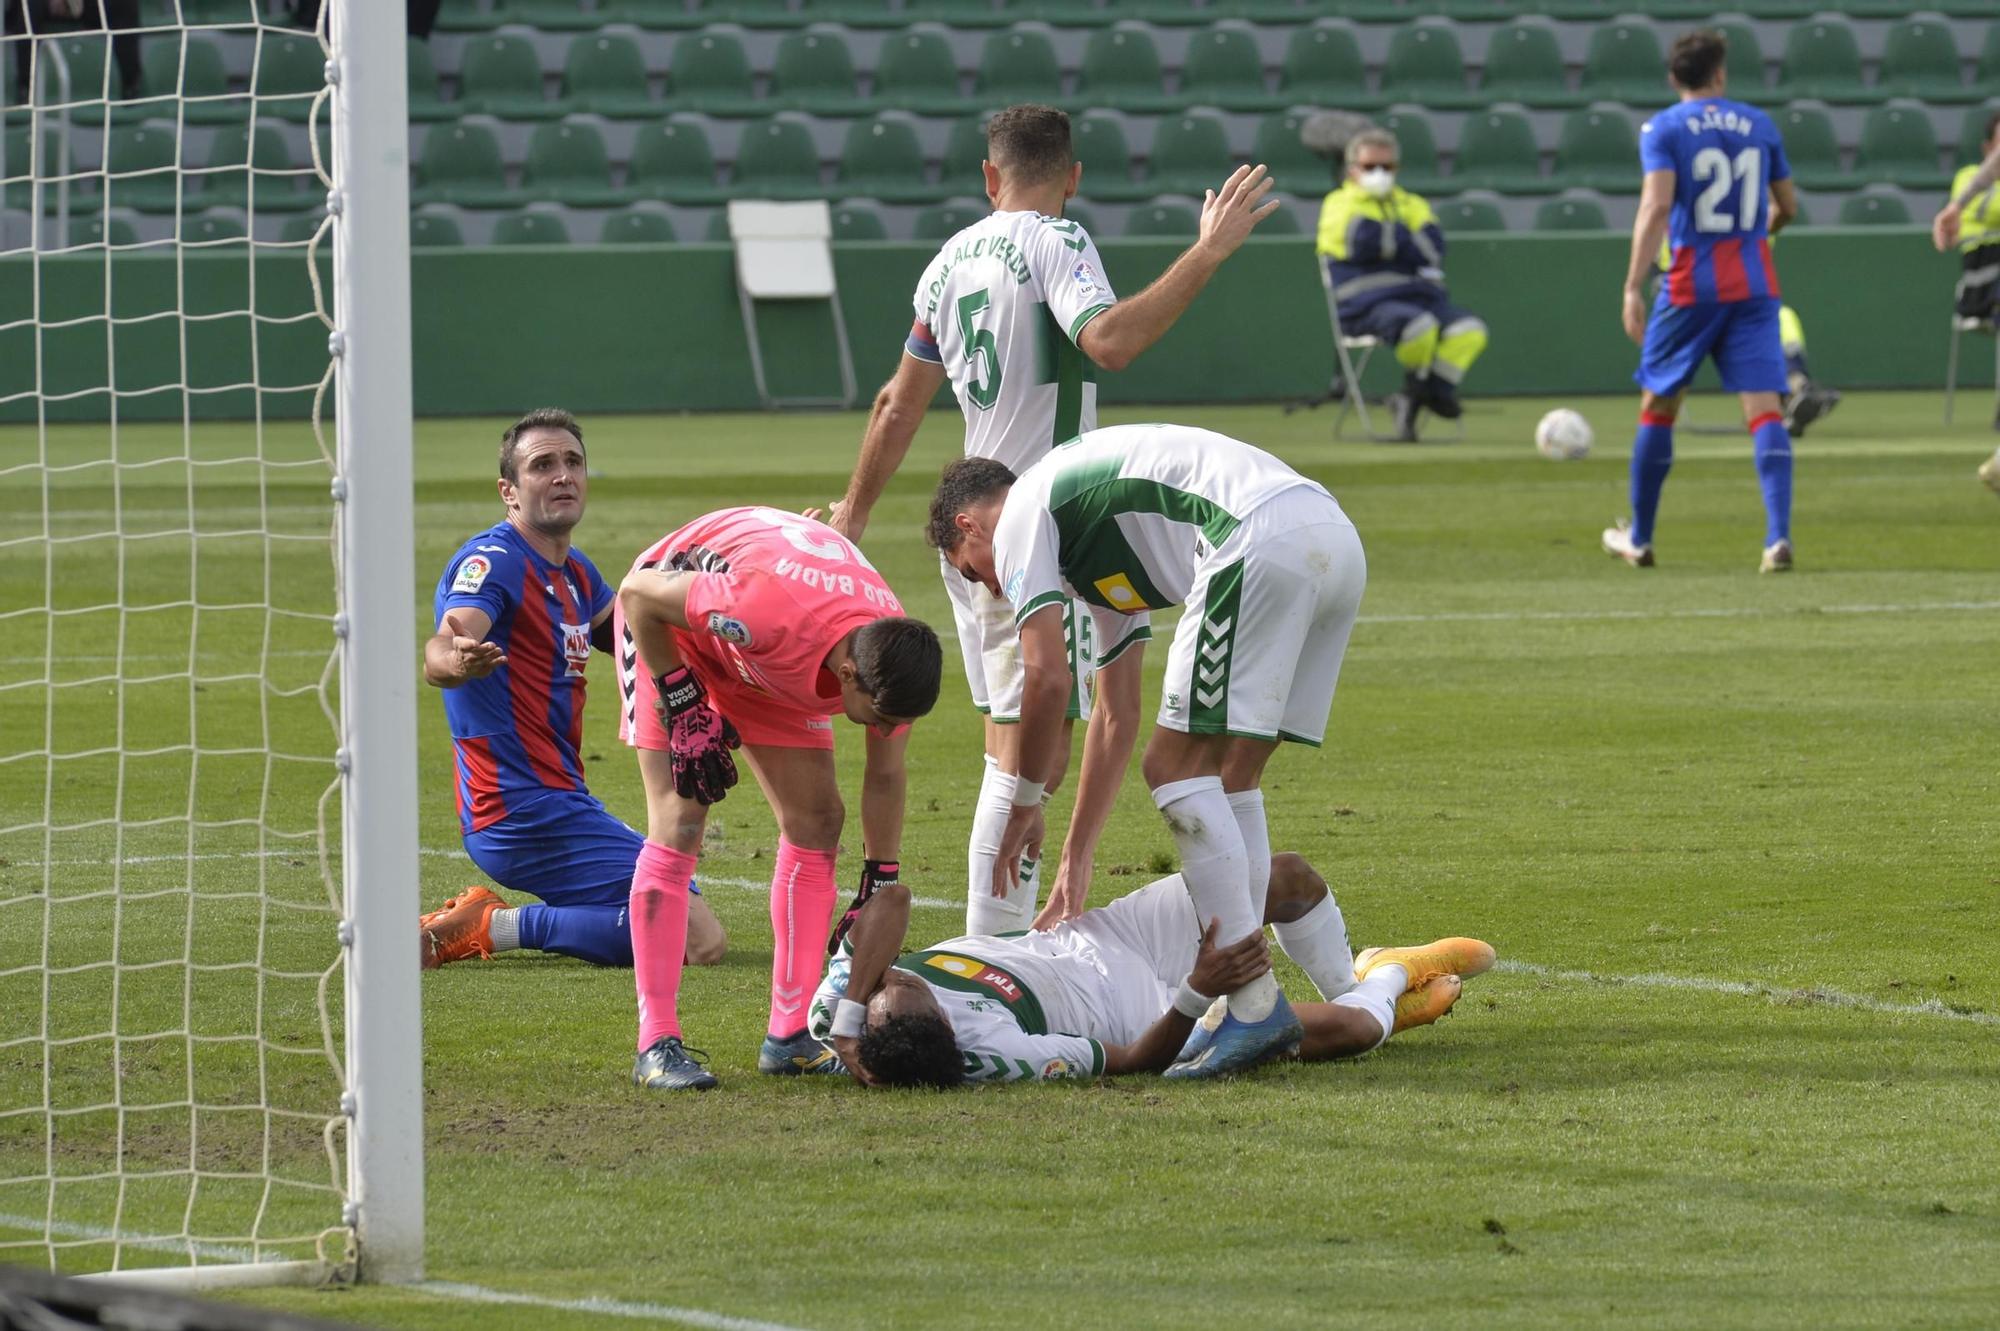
[1378,181]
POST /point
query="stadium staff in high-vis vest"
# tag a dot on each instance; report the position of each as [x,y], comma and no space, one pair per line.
[1974,211]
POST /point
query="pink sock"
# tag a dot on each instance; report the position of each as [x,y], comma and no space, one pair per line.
[659,909]
[803,894]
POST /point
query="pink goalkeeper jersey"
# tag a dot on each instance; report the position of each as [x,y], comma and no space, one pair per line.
[776,592]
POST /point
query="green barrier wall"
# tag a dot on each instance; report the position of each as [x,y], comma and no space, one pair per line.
[658,328]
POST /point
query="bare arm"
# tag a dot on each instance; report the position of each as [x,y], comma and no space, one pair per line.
[877,940]
[1649,228]
[654,601]
[1045,687]
[1115,338]
[1216,971]
[892,423]
[458,652]
[1107,753]
[884,785]
[1784,205]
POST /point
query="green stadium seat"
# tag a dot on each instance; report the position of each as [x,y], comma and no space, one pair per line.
[191,64]
[605,74]
[1323,66]
[711,74]
[1223,68]
[1296,168]
[882,159]
[431,230]
[1746,63]
[1874,210]
[240,148]
[94,79]
[1972,132]
[300,227]
[1018,66]
[467,16]
[93,231]
[1062,13]
[1781,9]
[1469,216]
[674,160]
[143,170]
[958,13]
[964,150]
[917,72]
[1986,74]
[1571,215]
[1823,60]
[213,230]
[1597,148]
[502,76]
[1496,151]
[1151,220]
[750,13]
[426,102]
[1920,59]
[1524,64]
[942,221]
[1257,11]
[19,191]
[853,13]
[1099,142]
[1882,8]
[1482,11]
[1190,154]
[717,230]
[530,229]
[638,226]
[1417,153]
[461,164]
[1383,11]
[1625,64]
[547,15]
[1811,146]
[1898,146]
[775,159]
[568,164]
[858,221]
[1425,65]
[670,15]
[1121,70]
[814,72]
[1284,222]
[290,71]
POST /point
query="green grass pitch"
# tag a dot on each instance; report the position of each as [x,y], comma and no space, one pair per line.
[1732,835]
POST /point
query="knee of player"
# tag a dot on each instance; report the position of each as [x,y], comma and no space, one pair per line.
[1296,887]
[708,949]
[815,825]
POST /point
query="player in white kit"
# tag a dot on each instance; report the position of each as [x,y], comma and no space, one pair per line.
[1017,312]
[1269,571]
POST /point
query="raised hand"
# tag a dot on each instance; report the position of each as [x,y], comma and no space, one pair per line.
[1228,214]
[698,738]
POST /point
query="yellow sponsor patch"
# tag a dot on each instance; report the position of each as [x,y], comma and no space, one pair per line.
[1119,591]
[964,966]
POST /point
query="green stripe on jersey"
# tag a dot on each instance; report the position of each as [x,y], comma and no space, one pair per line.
[976,975]
[1214,645]
[1062,364]
[1086,499]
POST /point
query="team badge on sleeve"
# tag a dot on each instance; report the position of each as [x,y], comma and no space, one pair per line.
[472,574]
[727,629]
[1084,276]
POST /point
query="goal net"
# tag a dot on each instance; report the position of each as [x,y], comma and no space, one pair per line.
[198,716]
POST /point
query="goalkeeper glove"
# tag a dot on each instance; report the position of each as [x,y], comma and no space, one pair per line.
[698,738]
[874,874]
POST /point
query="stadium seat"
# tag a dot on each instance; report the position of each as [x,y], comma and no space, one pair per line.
[1121,69]
[530,229]
[431,230]
[1496,151]
[461,164]
[853,13]
[1467,216]
[1099,142]
[1062,13]
[1296,168]
[1018,66]
[143,172]
[1425,65]
[1874,210]
[1284,222]
[750,13]
[964,150]
[1571,215]
[814,72]
[711,74]
[1898,146]
[291,69]
[213,230]
[20,187]
[189,67]
[1416,148]
[1323,66]
[776,159]
[858,221]
[1920,59]
[882,159]
[502,76]
[300,227]
[93,78]
[958,13]
[1811,147]
[567,164]
[1190,154]
[674,160]
[605,74]
[717,230]
[1223,68]
[548,15]
[1625,64]
[941,221]
[1525,64]
[917,72]
[1986,75]
[653,14]
[1972,130]
[1745,63]
[1158,12]
[638,226]
[237,147]
[1598,149]
[1154,220]
[1823,60]
[426,103]
[92,231]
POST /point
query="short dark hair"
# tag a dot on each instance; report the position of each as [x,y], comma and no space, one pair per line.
[541,418]
[1029,142]
[900,664]
[1697,57]
[913,1049]
[964,483]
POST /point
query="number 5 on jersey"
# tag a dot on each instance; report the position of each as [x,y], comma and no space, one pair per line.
[983,392]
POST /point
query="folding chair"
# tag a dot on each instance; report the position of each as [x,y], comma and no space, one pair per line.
[1979,273]
[1352,397]
[784,252]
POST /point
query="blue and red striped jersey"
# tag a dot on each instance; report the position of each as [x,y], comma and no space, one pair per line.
[516,731]
[1724,156]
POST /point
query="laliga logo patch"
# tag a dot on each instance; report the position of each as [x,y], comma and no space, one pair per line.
[1056,1067]
[1084,276]
[472,574]
[727,629]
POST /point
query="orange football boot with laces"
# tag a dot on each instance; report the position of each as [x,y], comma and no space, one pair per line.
[459,929]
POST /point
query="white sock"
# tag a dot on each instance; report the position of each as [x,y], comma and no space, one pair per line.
[1248,806]
[1213,866]
[504,928]
[1317,941]
[984,912]
[1377,996]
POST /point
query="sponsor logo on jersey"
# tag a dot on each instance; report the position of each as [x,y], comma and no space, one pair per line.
[576,647]
[727,629]
[472,573]
[981,979]
[971,968]
[1014,584]
[1119,593]
[1084,276]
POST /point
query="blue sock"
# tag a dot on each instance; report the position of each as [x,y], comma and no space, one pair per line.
[1652,459]
[1774,474]
[597,934]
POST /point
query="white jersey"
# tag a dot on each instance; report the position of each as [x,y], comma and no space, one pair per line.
[1001,308]
[1124,518]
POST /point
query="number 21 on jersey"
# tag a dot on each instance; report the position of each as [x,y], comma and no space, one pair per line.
[1716,170]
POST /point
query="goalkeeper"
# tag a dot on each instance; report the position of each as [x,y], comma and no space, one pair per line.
[1120,989]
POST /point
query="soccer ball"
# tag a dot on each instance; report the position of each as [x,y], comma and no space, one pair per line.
[1563,436]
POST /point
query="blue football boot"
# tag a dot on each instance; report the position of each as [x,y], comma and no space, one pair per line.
[668,1065]
[798,1056]
[1237,1045]
[1204,1030]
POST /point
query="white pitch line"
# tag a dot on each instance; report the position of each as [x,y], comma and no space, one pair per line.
[1730,612]
[1815,996]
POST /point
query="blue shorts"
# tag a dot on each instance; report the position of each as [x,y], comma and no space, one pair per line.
[564,847]
[1742,336]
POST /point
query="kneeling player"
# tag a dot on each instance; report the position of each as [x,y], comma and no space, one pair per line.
[754,626]
[1115,990]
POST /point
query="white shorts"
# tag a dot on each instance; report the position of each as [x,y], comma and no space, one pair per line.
[989,642]
[1258,649]
[1144,945]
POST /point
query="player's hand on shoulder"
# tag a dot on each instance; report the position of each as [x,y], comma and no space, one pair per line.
[1223,970]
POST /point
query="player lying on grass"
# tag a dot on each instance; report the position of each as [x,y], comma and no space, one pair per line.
[519,609]
[1120,989]
[755,627]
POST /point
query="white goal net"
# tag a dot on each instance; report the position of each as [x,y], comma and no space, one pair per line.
[185,744]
